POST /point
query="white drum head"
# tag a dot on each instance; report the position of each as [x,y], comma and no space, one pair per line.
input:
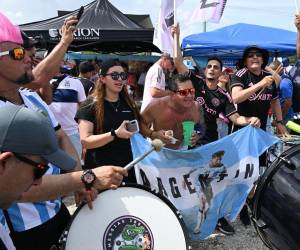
[128,218]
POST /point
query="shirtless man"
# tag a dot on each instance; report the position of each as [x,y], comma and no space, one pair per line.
[168,113]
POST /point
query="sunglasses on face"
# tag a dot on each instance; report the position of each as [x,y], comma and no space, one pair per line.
[252,54]
[116,75]
[186,92]
[209,66]
[39,169]
[16,53]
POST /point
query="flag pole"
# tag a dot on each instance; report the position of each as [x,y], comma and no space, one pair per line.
[204,26]
[296,4]
[175,35]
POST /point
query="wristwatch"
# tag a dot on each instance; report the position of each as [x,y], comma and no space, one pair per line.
[280,121]
[88,177]
[113,133]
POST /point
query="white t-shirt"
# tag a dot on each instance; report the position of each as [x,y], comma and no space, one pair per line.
[155,78]
[4,235]
[66,97]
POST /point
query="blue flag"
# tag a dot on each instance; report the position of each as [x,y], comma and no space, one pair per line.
[206,183]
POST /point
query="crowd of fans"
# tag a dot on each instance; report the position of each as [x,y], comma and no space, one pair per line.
[89,104]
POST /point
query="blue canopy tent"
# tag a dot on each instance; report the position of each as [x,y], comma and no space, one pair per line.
[229,42]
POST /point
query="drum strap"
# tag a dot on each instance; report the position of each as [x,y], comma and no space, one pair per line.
[8,221]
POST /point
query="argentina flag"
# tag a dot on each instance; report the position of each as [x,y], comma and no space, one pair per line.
[208,182]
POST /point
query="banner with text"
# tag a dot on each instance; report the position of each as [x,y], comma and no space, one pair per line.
[162,34]
[206,183]
[207,11]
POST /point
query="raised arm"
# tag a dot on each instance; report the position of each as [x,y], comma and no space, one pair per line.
[47,68]
[178,59]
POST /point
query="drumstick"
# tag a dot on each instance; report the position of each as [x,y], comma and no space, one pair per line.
[271,71]
[156,145]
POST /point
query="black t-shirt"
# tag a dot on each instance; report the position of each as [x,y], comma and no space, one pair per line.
[213,103]
[254,106]
[87,85]
[118,152]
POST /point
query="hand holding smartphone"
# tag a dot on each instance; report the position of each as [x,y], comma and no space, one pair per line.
[132,126]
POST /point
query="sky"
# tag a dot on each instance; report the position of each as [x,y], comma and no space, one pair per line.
[275,13]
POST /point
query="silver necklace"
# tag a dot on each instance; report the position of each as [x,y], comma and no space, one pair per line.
[115,106]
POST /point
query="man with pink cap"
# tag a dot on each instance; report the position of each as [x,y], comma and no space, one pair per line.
[39,224]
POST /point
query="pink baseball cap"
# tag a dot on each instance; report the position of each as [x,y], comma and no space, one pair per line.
[9,32]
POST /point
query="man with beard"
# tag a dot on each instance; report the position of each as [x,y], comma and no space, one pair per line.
[39,224]
[214,101]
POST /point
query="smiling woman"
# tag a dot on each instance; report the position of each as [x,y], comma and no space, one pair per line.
[102,120]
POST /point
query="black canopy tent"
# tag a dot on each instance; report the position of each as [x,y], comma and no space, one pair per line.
[102,28]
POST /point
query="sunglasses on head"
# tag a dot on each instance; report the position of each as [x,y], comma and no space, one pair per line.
[15,53]
[255,53]
[116,75]
[39,169]
[186,92]
[209,66]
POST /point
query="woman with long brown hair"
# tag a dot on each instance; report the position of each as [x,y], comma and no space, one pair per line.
[102,120]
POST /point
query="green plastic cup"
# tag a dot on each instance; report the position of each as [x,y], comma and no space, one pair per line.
[188,129]
[293,126]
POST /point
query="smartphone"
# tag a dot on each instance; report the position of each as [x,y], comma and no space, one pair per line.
[132,126]
[80,12]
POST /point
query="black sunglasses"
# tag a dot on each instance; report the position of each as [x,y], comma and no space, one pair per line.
[39,169]
[116,75]
[252,54]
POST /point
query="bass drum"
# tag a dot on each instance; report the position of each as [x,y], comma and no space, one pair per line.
[128,218]
[276,204]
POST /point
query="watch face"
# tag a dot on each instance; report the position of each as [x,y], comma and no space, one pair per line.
[89,178]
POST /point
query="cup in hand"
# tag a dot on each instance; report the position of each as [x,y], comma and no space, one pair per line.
[188,129]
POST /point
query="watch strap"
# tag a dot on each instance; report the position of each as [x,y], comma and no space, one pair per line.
[113,133]
[280,122]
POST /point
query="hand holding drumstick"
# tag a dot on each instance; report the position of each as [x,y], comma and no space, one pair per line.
[269,79]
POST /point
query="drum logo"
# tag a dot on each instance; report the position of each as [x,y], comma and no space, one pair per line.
[128,233]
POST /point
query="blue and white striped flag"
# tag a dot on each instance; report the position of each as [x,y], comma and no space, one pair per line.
[206,183]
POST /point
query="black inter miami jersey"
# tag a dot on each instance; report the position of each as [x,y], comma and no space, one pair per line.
[255,105]
[213,102]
